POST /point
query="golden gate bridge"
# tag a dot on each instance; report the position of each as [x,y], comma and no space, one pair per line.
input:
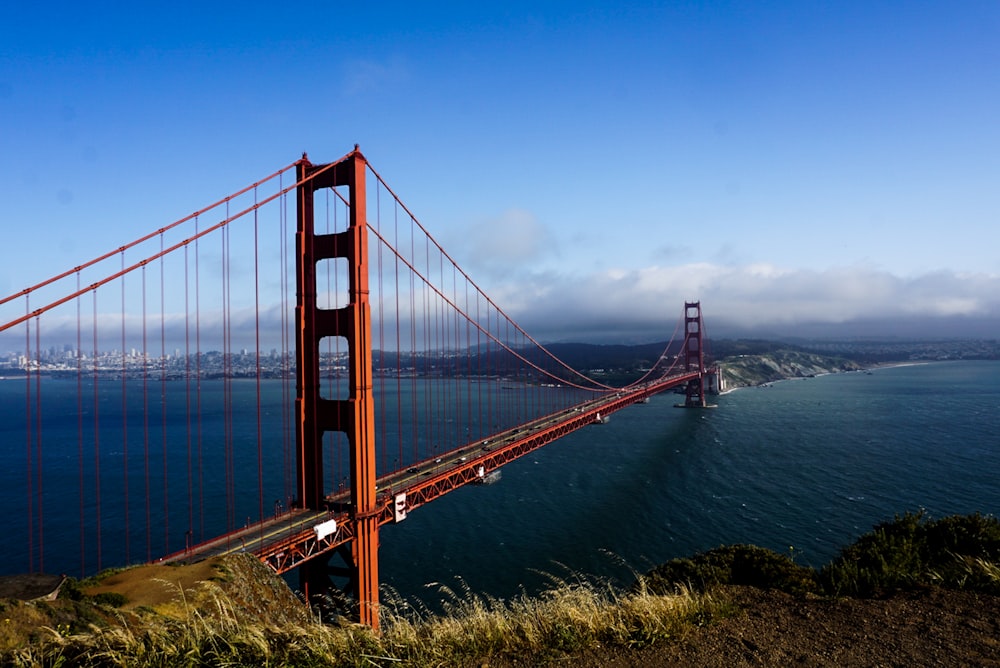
[280,373]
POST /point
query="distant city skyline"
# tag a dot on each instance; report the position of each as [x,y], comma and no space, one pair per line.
[799,168]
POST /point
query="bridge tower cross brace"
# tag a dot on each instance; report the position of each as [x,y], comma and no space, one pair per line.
[694,356]
[355,414]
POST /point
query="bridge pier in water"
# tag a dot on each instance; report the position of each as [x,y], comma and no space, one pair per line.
[355,414]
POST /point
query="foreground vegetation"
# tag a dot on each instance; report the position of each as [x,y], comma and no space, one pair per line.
[239,615]
[206,628]
[912,550]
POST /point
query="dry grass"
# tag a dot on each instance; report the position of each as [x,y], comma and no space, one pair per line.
[204,625]
[569,617]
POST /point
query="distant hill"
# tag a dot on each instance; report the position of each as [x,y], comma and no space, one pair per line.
[749,370]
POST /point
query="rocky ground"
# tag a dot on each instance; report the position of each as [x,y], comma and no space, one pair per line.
[928,627]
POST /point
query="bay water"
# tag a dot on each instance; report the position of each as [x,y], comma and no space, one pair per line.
[802,467]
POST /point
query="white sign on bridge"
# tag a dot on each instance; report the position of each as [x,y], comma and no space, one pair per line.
[400,508]
[325,529]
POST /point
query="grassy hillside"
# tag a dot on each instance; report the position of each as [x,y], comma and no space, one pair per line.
[232,611]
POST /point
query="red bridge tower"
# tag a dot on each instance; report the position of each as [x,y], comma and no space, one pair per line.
[694,356]
[355,414]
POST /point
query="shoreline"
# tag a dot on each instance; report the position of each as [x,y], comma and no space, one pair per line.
[830,372]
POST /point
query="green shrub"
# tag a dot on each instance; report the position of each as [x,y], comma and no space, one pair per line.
[913,550]
[735,565]
[71,590]
[112,598]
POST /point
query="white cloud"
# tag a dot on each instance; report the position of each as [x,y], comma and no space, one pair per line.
[506,245]
[745,298]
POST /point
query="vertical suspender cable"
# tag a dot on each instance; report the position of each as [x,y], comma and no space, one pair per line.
[413,345]
[286,447]
[124,399]
[489,372]
[467,435]
[447,317]
[145,419]
[187,397]
[456,389]
[479,371]
[226,407]
[79,427]
[197,373]
[455,404]
[256,315]
[526,392]
[97,437]
[163,406]
[29,436]
[380,441]
[505,402]
[462,429]
[426,399]
[227,412]
[439,335]
[399,351]
[38,446]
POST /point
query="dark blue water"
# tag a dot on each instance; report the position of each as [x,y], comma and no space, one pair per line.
[802,465]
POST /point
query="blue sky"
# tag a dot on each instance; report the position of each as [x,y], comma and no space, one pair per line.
[830,168]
